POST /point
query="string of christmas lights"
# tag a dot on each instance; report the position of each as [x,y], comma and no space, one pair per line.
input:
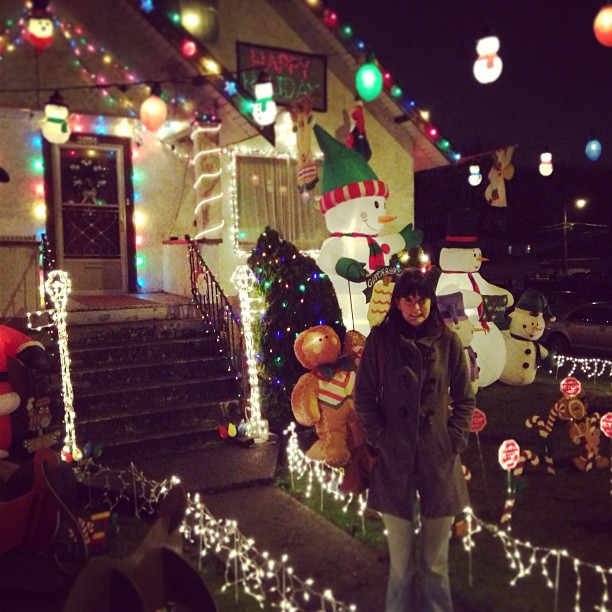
[243,280]
[58,286]
[591,367]
[328,479]
[272,583]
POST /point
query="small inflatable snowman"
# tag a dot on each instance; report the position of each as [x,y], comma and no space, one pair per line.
[452,306]
[354,203]
[523,351]
[460,262]
[55,127]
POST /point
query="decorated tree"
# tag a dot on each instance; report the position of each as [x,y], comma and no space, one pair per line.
[297,295]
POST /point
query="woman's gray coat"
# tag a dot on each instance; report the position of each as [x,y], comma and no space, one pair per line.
[413,427]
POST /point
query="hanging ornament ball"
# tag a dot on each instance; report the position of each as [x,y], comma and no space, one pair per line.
[593,149]
[602,26]
[153,113]
[369,81]
[306,196]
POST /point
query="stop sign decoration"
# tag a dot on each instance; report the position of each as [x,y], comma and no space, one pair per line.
[509,454]
[479,421]
[606,424]
[570,386]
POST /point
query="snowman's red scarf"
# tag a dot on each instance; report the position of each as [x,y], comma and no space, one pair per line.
[377,258]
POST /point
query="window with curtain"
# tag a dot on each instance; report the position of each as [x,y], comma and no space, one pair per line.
[267,194]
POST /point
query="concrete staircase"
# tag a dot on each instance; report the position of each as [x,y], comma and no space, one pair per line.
[149,379]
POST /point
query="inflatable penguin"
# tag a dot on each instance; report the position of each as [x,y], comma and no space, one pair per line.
[523,351]
[460,262]
[354,204]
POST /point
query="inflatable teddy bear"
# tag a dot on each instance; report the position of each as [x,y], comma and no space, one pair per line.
[323,397]
[31,354]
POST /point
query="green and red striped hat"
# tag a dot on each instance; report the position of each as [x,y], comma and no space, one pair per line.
[346,173]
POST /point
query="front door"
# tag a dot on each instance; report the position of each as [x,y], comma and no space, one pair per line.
[90,221]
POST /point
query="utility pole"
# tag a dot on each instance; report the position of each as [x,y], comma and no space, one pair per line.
[564,238]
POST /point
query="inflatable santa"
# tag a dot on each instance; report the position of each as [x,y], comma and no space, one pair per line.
[14,344]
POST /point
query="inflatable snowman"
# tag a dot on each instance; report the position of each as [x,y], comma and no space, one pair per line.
[452,304]
[55,126]
[523,351]
[460,262]
[354,204]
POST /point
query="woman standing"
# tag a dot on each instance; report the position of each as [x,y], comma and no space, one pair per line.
[414,398]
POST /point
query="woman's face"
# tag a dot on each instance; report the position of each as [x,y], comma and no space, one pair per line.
[415,309]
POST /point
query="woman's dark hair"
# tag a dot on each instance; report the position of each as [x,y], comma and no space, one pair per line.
[413,281]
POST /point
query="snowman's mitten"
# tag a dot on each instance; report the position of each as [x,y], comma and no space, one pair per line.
[412,237]
[351,269]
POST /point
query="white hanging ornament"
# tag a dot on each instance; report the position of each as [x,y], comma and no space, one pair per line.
[55,127]
[488,66]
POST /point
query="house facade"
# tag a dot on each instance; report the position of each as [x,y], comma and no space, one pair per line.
[114,199]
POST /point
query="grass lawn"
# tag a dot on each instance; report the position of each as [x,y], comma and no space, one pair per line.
[570,511]
[561,524]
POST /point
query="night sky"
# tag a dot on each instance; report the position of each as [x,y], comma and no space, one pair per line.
[555,92]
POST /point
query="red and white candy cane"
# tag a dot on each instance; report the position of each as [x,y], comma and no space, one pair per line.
[544,429]
[508,507]
[526,456]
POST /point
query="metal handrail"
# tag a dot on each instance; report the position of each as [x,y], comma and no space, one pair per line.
[217,312]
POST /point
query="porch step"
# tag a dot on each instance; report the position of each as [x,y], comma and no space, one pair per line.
[153,384]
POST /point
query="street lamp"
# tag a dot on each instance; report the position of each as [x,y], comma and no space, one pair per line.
[580,203]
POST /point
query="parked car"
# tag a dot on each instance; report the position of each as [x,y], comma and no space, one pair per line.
[585,328]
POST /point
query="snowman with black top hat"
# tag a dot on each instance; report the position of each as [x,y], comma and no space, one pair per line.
[523,351]
[460,262]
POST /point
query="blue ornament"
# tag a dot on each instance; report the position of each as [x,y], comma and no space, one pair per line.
[593,149]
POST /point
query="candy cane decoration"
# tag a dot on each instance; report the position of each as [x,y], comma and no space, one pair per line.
[544,429]
[527,456]
[508,507]
[58,286]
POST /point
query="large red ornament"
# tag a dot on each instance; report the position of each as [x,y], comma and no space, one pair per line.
[602,26]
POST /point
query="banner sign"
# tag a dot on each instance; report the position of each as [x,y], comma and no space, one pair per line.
[294,74]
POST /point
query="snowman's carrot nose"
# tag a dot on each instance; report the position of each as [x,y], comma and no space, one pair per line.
[386,219]
[481,258]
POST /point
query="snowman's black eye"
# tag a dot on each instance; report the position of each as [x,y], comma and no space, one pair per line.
[376,204]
